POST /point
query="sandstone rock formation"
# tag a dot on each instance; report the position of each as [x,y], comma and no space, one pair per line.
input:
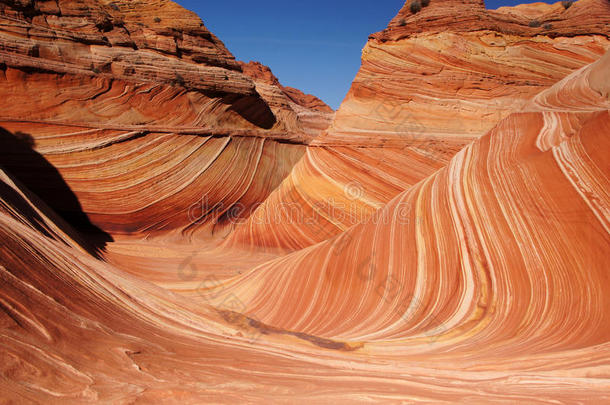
[304,110]
[202,240]
[137,115]
[68,39]
[429,84]
[438,78]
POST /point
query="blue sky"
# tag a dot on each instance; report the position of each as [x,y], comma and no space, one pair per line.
[312,45]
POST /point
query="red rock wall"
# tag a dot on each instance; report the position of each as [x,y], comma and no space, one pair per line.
[143,112]
[469,268]
[429,84]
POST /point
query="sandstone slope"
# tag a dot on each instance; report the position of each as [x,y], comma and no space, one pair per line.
[197,239]
[143,115]
[429,84]
[487,283]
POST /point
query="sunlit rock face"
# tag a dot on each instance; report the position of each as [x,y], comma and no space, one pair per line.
[303,111]
[489,226]
[429,84]
[145,115]
[197,239]
[440,77]
[101,47]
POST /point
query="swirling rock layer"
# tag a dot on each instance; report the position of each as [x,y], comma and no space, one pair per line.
[136,114]
[449,73]
[421,95]
[199,239]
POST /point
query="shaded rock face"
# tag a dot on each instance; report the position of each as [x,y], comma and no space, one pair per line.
[303,110]
[202,240]
[40,177]
[262,73]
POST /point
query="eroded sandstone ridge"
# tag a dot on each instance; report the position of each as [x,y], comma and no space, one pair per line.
[429,84]
[308,111]
[448,73]
[142,111]
[179,227]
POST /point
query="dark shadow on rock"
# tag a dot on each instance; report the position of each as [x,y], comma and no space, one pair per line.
[30,168]
[252,108]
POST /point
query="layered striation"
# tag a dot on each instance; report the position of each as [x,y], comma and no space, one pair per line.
[495,260]
[143,115]
[490,271]
[94,38]
[304,111]
[429,84]
[534,186]
[438,78]
[176,226]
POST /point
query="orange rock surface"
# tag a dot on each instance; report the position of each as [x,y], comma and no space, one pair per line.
[441,77]
[178,227]
[304,110]
[429,84]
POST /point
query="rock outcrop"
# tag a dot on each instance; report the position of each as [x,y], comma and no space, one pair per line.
[305,111]
[140,51]
[438,78]
[204,240]
[489,226]
[429,84]
[143,113]
[108,41]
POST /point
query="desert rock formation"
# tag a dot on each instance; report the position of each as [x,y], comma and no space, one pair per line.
[179,227]
[445,75]
[306,111]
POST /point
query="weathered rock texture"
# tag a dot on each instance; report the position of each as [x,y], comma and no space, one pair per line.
[199,240]
[145,53]
[143,112]
[80,40]
[429,84]
[303,110]
[443,76]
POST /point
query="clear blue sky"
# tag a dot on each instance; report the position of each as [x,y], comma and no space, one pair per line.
[312,45]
